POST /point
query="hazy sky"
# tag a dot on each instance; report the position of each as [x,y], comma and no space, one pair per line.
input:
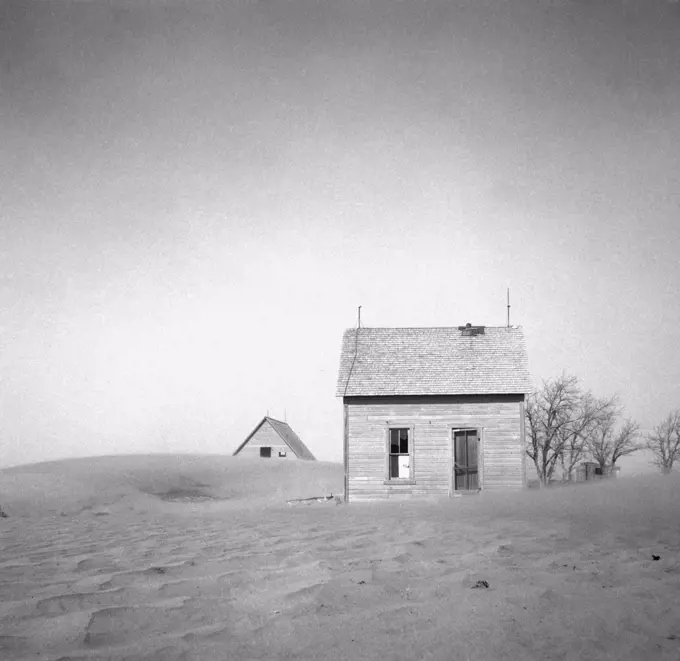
[195,197]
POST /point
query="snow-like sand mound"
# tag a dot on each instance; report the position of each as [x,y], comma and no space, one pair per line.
[145,481]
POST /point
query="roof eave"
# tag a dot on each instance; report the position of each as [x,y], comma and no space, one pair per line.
[433,394]
[252,433]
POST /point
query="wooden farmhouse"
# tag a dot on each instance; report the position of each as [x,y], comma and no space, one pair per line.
[433,411]
[273,439]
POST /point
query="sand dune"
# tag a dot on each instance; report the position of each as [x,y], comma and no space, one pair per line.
[143,481]
[110,558]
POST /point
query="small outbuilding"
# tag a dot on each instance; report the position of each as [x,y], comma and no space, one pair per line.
[274,439]
[433,411]
[591,470]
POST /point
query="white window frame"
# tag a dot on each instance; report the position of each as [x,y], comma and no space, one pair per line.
[411,454]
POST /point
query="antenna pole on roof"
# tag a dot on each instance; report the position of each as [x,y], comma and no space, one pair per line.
[285,415]
[508,307]
[359,322]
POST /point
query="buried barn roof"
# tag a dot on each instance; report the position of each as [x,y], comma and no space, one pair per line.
[433,361]
[289,437]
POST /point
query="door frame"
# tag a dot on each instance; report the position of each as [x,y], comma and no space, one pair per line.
[452,457]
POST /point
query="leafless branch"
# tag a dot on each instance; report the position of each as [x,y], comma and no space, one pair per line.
[590,413]
[550,411]
[664,442]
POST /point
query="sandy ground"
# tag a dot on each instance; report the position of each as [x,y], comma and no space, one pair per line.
[176,558]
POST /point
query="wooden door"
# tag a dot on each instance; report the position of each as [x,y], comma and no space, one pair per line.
[465,469]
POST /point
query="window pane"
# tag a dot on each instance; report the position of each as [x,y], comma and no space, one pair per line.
[472,449]
[403,441]
[394,466]
[394,441]
[460,447]
[404,467]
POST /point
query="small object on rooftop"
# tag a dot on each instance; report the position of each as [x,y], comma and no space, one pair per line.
[481,584]
[469,329]
[656,557]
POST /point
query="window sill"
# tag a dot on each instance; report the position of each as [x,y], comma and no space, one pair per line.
[399,482]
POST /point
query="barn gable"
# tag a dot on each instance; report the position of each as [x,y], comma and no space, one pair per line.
[278,437]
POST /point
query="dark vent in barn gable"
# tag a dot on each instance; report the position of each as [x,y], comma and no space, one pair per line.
[469,330]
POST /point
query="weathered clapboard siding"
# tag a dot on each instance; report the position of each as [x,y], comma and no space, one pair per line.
[501,459]
[266,436]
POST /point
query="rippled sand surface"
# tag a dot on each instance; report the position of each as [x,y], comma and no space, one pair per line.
[201,558]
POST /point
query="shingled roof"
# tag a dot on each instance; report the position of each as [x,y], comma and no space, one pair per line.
[290,438]
[433,361]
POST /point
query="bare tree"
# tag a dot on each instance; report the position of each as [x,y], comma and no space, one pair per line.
[664,442]
[549,412]
[574,449]
[607,445]
[626,441]
[589,415]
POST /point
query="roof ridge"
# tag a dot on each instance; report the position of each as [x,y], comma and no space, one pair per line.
[512,327]
[283,422]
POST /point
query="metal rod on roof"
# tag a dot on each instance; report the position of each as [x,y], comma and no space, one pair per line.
[508,307]
[359,324]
